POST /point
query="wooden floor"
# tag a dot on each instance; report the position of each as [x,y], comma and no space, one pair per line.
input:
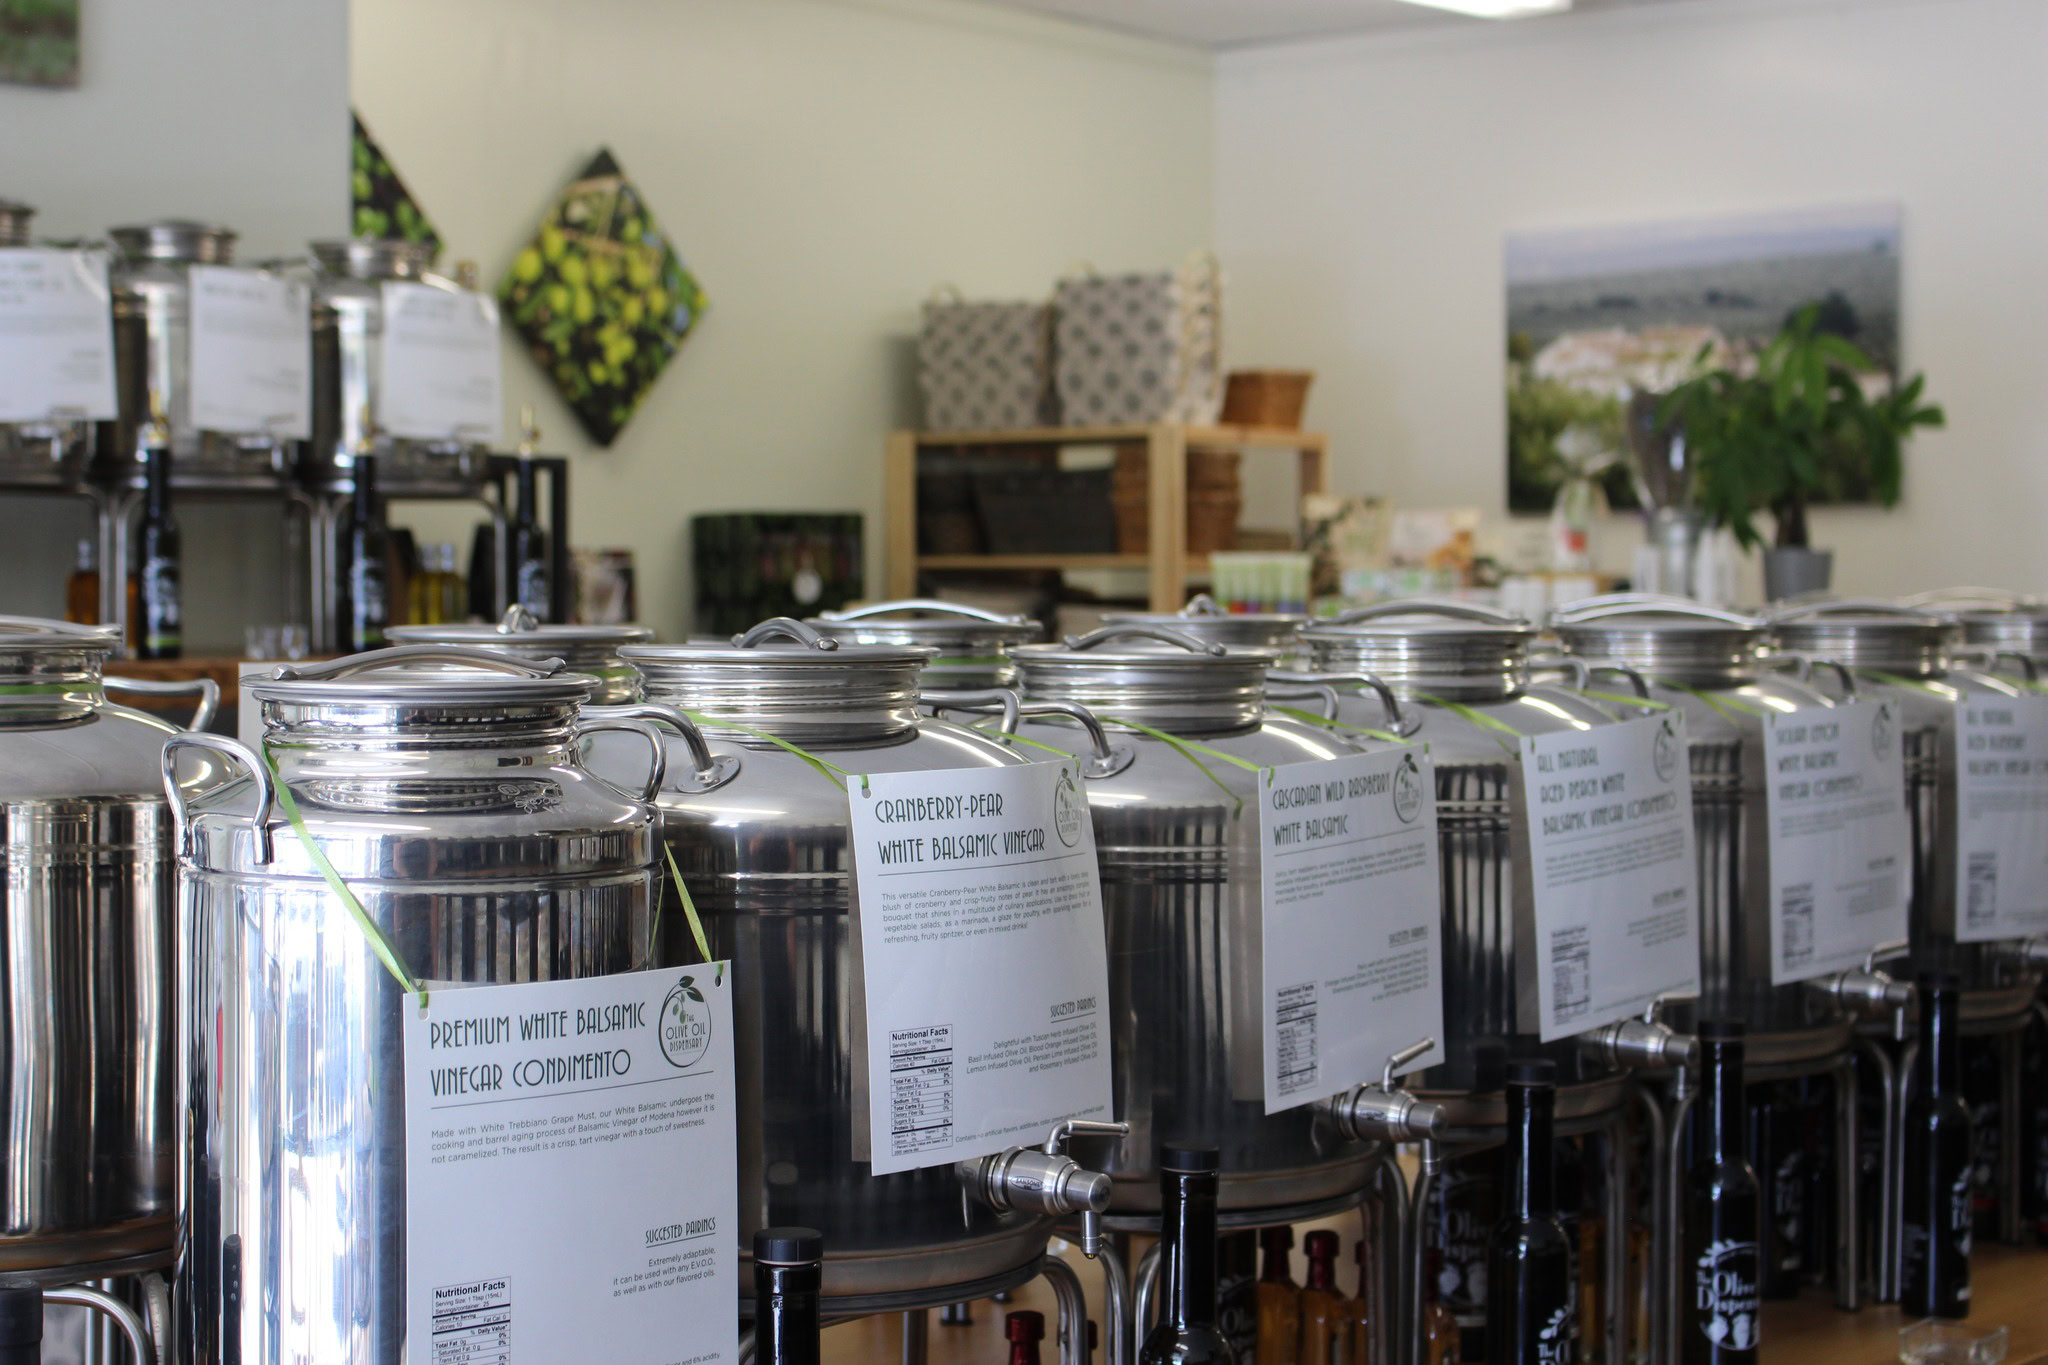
[2011,1288]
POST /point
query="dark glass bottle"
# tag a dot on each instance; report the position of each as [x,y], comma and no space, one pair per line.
[531,579]
[1817,1255]
[1531,1310]
[1984,1092]
[21,1322]
[1024,1329]
[1237,1301]
[1325,1315]
[161,633]
[1279,1299]
[1721,1270]
[1938,1213]
[1186,1333]
[1464,1206]
[1777,1149]
[82,589]
[1441,1340]
[2034,1123]
[369,570]
[789,1265]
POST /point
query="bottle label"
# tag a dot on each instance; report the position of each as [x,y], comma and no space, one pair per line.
[533,588]
[1962,1216]
[1464,1219]
[1725,1287]
[1788,1200]
[162,618]
[370,596]
[1557,1340]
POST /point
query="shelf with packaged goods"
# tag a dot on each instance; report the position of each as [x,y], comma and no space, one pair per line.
[1167,563]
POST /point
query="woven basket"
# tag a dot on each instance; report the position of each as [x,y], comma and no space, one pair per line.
[1266,398]
[1215,500]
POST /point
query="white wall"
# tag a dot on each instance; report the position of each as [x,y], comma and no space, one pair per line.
[821,164]
[1363,189]
[234,111]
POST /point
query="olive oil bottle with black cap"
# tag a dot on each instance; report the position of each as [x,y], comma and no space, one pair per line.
[1186,1333]
[1722,1270]
[1531,1309]
[1938,1210]
[789,1265]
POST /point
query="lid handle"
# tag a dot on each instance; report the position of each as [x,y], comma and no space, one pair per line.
[1201,604]
[708,771]
[1962,599]
[1844,606]
[788,627]
[1609,605]
[206,689]
[517,620]
[1162,634]
[1400,720]
[398,656]
[925,604]
[1449,608]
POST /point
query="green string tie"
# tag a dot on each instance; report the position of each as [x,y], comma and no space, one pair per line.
[380,943]
[1910,684]
[1331,723]
[1730,707]
[1473,716]
[42,689]
[824,768]
[1626,699]
[689,910]
[1188,749]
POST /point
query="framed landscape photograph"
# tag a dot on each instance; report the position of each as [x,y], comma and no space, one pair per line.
[1597,315]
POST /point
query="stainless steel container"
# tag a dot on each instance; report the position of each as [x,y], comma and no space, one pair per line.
[969,643]
[1907,654]
[456,807]
[763,841]
[591,650]
[2007,630]
[1460,671]
[45,454]
[1205,619]
[1708,664]
[1177,833]
[152,283]
[88,967]
[348,339]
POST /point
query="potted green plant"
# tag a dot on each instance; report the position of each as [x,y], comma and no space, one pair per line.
[1795,429]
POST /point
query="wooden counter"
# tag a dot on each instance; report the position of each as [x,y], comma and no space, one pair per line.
[2011,1288]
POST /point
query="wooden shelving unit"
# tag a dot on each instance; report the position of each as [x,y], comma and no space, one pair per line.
[1166,563]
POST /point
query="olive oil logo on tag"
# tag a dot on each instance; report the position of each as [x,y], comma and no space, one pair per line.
[1408,789]
[1069,808]
[685,1028]
[1882,731]
[1667,749]
[1725,1292]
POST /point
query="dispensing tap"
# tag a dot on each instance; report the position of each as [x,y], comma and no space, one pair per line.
[1645,1044]
[1866,990]
[2031,952]
[1386,1112]
[1046,1180]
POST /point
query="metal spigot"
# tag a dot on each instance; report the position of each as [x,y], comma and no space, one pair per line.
[1866,990]
[2031,952]
[1386,1112]
[1046,1180]
[1645,1044]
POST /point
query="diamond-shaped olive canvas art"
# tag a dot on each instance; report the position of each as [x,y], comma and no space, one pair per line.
[379,203]
[602,298]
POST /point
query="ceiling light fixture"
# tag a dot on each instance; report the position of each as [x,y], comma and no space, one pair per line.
[1498,9]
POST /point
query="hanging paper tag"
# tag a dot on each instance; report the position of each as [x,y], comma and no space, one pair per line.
[1612,879]
[252,370]
[1835,783]
[572,1172]
[56,336]
[438,376]
[2001,887]
[1350,923]
[983,952]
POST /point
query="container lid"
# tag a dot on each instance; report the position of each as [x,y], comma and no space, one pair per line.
[369,258]
[178,240]
[785,679]
[1427,644]
[14,222]
[1665,637]
[1992,618]
[1205,619]
[418,689]
[592,650]
[1865,633]
[952,628]
[1024,1325]
[789,1246]
[1154,675]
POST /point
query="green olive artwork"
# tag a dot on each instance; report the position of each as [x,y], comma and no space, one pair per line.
[39,42]
[380,206]
[601,298]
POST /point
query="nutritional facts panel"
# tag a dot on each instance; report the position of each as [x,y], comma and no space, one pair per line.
[920,1087]
[473,1323]
[1294,1020]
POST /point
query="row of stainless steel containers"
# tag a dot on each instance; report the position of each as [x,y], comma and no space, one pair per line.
[449,788]
[150,277]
